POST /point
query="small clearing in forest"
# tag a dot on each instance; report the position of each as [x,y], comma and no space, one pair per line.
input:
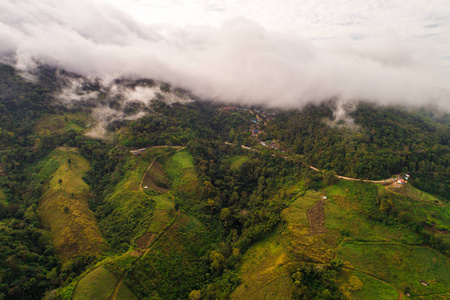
[146,240]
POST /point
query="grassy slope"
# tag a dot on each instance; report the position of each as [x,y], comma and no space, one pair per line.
[101,282]
[343,213]
[64,207]
[181,171]
[125,294]
[422,205]
[98,284]
[265,266]
[400,265]
[264,272]
[237,161]
[372,288]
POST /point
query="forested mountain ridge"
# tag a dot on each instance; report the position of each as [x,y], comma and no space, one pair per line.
[386,141]
[211,187]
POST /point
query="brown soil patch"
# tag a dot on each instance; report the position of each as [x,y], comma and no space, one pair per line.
[146,240]
[316,217]
[155,179]
[2,171]
[137,252]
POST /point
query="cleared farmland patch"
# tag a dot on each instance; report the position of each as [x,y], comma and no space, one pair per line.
[155,179]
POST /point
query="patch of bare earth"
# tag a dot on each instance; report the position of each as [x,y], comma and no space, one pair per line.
[316,217]
[146,240]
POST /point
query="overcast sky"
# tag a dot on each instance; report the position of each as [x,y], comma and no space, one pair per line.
[277,53]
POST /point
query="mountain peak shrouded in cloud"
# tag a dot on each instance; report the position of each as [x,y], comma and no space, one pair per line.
[236,60]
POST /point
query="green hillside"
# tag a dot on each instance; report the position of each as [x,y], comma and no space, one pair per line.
[159,227]
[64,208]
[378,254]
[196,200]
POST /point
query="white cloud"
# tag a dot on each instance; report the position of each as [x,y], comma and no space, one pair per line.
[288,56]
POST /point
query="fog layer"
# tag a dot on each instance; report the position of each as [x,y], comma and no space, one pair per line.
[238,61]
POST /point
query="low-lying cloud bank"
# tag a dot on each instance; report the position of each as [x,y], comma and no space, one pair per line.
[238,62]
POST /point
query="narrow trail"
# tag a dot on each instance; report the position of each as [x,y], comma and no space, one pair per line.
[143,176]
[349,178]
[116,289]
[317,170]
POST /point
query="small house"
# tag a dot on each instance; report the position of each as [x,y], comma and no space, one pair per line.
[423,282]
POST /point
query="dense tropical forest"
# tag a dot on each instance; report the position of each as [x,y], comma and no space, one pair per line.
[218,202]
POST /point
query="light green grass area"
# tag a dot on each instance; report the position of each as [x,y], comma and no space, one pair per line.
[264,272]
[352,223]
[64,207]
[237,161]
[370,287]
[296,212]
[163,201]
[400,265]
[181,170]
[50,125]
[98,284]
